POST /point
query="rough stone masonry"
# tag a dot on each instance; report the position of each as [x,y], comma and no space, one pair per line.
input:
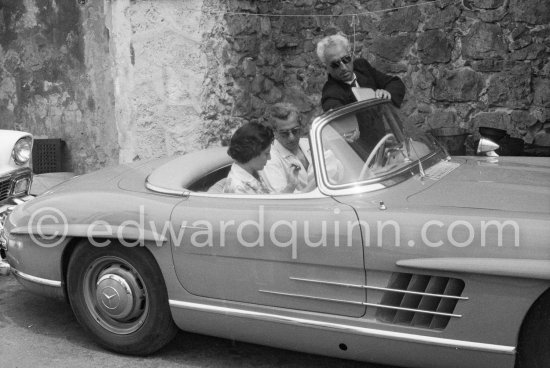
[125,80]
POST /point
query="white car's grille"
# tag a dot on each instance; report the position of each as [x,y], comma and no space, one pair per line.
[5,184]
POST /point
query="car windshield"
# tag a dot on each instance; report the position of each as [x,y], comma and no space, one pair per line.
[369,144]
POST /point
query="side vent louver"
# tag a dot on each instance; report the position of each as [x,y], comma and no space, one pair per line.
[420,300]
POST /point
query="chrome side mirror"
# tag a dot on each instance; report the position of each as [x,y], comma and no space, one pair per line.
[487,147]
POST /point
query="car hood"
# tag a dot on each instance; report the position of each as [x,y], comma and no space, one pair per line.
[517,184]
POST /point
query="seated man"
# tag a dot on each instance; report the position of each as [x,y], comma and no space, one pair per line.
[290,161]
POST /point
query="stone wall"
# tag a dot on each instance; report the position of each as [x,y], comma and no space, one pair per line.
[55,78]
[122,80]
[159,74]
[467,64]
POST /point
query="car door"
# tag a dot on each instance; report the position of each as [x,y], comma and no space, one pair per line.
[294,251]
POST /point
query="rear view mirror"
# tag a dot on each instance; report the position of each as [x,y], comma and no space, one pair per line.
[487,147]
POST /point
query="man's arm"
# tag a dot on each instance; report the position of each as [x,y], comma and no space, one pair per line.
[332,98]
[331,103]
[390,83]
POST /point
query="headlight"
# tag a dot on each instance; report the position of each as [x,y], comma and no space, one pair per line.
[22,150]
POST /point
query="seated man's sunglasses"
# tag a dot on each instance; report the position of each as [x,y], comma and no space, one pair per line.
[343,60]
[286,133]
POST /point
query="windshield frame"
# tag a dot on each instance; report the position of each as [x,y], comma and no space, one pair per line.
[380,182]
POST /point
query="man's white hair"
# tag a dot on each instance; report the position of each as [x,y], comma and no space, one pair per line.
[331,41]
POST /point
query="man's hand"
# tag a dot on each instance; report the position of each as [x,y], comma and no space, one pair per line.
[292,179]
[382,93]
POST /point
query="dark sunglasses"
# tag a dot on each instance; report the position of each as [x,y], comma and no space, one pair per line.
[344,60]
[286,133]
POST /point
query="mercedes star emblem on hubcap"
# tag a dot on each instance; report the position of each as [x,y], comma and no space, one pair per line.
[110,298]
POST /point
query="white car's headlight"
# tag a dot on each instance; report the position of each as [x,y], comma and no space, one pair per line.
[22,150]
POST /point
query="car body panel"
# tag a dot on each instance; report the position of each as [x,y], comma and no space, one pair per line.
[424,265]
[511,184]
[253,254]
[400,238]
[337,336]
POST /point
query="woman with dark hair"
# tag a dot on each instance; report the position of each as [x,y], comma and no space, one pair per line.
[249,147]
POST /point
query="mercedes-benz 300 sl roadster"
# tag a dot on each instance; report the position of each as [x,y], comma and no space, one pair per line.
[408,257]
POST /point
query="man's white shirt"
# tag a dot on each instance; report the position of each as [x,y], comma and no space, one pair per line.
[279,170]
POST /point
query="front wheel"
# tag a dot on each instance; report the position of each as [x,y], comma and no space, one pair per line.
[534,337]
[118,295]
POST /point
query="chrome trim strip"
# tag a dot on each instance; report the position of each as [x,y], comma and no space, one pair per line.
[375,305]
[37,280]
[339,327]
[154,188]
[379,288]
[524,268]
[414,310]
[313,297]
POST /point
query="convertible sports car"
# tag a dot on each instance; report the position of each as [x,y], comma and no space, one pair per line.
[409,258]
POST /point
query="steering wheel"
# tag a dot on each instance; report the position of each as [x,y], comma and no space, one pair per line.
[377,153]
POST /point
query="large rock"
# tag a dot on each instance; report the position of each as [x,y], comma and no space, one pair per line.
[243,25]
[484,41]
[532,11]
[486,4]
[521,121]
[434,47]
[531,52]
[458,85]
[511,88]
[392,48]
[441,19]
[422,82]
[499,120]
[403,20]
[541,88]
[440,119]
[487,65]
[545,69]
[298,98]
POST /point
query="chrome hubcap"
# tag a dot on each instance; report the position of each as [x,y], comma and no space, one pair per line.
[116,295]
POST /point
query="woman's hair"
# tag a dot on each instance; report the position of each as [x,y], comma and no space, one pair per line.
[249,141]
[330,41]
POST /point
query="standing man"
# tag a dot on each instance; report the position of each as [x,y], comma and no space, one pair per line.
[344,73]
[291,154]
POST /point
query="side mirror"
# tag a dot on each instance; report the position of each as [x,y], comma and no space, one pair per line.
[487,147]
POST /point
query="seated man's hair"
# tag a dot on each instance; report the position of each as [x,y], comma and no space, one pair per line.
[249,141]
[331,41]
[282,111]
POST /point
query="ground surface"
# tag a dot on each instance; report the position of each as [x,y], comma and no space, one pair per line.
[40,332]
